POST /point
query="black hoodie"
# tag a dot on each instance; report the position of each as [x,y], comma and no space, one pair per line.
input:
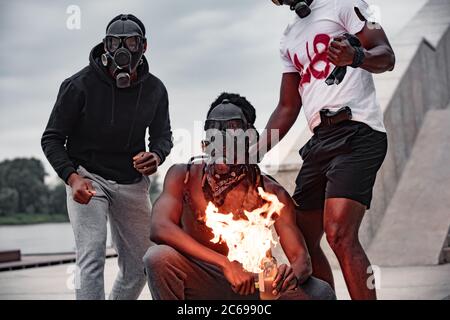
[101,127]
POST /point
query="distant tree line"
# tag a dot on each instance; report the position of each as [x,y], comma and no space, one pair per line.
[23,189]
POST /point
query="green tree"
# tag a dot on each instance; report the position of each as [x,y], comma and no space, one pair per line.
[57,200]
[26,177]
[9,201]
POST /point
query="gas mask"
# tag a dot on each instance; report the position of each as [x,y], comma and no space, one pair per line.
[301,8]
[124,47]
[228,135]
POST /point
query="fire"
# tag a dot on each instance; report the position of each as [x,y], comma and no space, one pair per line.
[247,240]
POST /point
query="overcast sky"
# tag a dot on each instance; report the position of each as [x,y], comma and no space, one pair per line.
[197,48]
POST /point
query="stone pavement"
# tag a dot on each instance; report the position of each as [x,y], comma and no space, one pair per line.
[430,282]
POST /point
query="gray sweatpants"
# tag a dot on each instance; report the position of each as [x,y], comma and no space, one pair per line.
[128,209]
[172,276]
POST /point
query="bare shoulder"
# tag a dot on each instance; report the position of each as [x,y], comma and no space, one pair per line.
[274,187]
[174,179]
[180,174]
[176,171]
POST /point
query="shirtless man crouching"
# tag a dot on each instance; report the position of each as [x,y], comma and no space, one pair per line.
[185,264]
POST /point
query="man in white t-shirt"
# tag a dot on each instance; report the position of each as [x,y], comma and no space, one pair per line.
[334,186]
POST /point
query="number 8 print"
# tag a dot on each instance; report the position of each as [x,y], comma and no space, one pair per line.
[320,55]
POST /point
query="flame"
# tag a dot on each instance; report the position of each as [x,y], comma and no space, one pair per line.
[247,240]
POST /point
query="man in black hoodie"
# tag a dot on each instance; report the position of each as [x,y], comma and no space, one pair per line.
[95,141]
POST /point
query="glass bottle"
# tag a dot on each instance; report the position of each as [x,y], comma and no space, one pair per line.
[266,277]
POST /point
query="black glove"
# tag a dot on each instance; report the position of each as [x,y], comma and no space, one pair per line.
[338,74]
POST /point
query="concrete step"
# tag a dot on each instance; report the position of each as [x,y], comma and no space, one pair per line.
[416,224]
[445,255]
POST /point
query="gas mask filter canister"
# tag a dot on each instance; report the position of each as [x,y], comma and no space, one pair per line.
[301,8]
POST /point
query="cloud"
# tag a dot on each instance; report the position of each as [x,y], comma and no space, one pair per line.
[198,48]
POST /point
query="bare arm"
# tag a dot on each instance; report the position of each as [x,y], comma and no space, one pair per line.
[286,112]
[378,51]
[291,238]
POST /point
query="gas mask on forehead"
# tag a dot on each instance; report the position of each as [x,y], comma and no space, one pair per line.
[124,45]
[228,135]
[300,7]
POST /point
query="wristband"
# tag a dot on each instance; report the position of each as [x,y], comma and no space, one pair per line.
[359,57]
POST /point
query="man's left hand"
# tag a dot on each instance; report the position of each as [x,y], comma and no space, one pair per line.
[340,52]
[285,280]
[146,163]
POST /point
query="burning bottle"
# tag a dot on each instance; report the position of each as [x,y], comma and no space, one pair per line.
[266,278]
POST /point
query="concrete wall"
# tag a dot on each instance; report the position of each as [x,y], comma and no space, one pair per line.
[420,82]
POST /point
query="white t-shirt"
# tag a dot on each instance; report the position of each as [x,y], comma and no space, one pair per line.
[304,49]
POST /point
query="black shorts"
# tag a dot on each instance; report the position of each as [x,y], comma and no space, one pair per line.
[340,161]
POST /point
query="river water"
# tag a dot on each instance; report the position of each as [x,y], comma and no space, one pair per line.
[39,238]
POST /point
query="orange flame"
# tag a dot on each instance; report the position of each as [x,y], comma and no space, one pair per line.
[247,240]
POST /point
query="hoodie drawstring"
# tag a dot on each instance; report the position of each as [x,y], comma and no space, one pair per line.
[130,135]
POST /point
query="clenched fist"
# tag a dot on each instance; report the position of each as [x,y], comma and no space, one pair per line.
[82,189]
[340,52]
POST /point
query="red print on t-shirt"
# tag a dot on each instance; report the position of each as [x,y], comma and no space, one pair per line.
[320,55]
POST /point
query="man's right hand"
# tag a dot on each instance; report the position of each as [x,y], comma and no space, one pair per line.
[82,189]
[241,281]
